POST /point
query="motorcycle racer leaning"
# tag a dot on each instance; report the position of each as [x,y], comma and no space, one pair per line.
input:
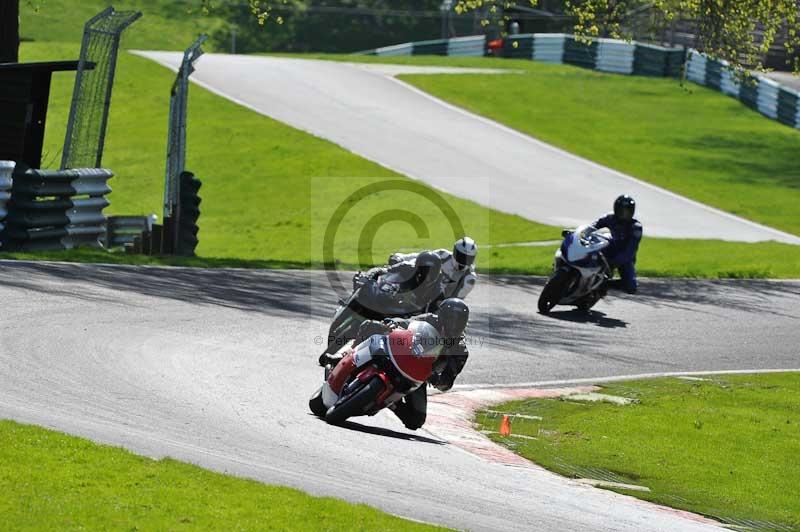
[626,233]
[406,289]
[450,321]
[458,275]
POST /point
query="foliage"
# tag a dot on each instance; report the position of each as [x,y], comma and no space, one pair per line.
[331,26]
[738,31]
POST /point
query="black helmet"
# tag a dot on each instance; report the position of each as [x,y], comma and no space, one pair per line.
[453,317]
[428,267]
[624,208]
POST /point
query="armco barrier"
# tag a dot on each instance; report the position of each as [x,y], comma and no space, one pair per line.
[608,55]
[767,100]
[729,84]
[615,56]
[51,210]
[788,108]
[579,53]
[6,169]
[548,47]
[394,51]
[474,46]
[652,60]
[763,94]
[124,230]
[622,57]
[436,47]
[518,46]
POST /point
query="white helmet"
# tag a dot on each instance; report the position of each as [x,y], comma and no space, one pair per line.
[464,251]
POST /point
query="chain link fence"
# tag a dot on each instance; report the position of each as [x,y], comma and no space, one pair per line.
[88,116]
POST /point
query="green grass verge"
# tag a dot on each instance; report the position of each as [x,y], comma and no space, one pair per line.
[165,24]
[725,447]
[269,191]
[691,140]
[51,481]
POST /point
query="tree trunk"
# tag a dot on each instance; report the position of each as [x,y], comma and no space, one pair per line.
[9,31]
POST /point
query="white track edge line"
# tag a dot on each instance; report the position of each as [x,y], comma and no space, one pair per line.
[565,153]
[234,99]
[618,378]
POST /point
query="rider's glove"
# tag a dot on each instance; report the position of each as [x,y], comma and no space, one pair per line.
[441,381]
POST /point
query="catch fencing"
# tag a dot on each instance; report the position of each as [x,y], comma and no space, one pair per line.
[765,95]
[91,97]
[607,55]
[6,169]
[53,210]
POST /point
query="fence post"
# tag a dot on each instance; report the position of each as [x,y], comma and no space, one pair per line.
[176,145]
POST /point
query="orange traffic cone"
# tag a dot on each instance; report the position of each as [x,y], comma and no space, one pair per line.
[505,426]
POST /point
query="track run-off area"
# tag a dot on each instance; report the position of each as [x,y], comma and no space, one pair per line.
[215,367]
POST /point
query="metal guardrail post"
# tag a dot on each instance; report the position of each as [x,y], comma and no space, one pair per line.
[176,143]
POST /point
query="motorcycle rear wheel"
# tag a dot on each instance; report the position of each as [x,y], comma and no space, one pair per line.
[553,291]
[356,404]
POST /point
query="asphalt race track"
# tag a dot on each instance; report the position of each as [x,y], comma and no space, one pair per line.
[215,367]
[369,112]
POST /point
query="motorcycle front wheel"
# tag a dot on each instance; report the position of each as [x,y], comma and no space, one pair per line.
[356,404]
[553,291]
[316,405]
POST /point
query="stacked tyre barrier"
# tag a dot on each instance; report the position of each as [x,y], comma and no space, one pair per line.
[54,210]
[6,170]
[764,95]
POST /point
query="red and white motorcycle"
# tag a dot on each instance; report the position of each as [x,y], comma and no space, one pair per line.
[377,373]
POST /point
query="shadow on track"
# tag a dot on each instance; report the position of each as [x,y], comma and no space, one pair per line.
[750,295]
[593,316]
[271,292]
[389,433]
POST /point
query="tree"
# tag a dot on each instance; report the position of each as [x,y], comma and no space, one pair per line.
[738,31]
[9,31]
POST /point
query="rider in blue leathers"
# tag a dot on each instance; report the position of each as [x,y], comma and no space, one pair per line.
[626,233]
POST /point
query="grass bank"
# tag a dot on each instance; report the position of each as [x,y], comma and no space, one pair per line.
[688,139]
[166,24]
[723,446]
[51,481]
[269,192]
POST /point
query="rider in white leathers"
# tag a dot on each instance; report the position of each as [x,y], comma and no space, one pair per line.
[458,275]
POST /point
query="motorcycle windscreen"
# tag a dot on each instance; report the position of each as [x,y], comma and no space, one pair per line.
[409,354]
